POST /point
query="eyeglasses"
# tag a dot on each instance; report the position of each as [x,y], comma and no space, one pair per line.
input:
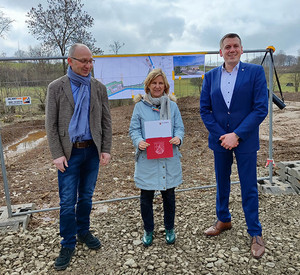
[84,61]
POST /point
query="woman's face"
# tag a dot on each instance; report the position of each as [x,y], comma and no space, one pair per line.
[157,87]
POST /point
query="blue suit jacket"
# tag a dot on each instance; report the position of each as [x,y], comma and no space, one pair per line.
[248,107]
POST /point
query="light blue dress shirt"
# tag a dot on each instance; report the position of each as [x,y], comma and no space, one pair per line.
[228,82]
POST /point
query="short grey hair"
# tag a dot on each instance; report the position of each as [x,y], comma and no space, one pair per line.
[74,47]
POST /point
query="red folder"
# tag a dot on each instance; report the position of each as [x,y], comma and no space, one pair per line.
[159,148]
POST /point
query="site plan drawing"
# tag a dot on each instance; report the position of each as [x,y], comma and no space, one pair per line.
[124,76]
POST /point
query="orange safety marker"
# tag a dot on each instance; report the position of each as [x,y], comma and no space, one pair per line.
[271,48]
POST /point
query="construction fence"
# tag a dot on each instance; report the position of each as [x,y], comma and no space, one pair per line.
[22,125]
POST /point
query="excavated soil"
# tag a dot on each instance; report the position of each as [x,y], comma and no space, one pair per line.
[32,178]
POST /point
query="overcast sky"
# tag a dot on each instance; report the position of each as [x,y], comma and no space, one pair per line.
[158,26]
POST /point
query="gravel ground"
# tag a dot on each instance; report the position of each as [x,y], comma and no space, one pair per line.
[119,227]
[33,179]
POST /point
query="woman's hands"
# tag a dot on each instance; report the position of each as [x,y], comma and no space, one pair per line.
[143,144]
[175,140]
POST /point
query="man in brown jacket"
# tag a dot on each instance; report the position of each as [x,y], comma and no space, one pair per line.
[79,133]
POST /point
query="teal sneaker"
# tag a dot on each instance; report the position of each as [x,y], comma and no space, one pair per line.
[91,241]
[147,238]
[170,236]
[64,258]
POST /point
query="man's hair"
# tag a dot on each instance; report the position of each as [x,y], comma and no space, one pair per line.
[154,74]
[229,35]
[73,48]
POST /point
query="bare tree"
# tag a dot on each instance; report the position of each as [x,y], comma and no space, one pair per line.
[41,50]
[116,46]
[296,73]
[5,24]
[62,24]
[20,53]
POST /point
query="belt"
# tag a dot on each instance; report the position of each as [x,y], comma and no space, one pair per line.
[83,144]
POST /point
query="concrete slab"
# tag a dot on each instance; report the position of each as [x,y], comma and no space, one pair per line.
[295,172]
[283,176]
[14,223]
[286,165]
[277,187]
[295,183]
[289,172]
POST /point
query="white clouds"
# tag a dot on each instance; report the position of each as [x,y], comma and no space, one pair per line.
[175,26]
[143,27]
[18,37]
[258,22]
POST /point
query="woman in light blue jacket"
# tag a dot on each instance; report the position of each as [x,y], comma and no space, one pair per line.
[162,174]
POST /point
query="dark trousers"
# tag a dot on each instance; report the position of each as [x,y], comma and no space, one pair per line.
[76,188]
[146,201]
[246,164]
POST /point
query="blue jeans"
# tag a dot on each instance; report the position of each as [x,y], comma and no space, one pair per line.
[76,188]
[146,201]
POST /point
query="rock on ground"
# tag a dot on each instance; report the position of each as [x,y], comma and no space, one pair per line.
[120,230]
[33,179]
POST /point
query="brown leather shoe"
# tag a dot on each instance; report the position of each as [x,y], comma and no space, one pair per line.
[257,247]
[217,228]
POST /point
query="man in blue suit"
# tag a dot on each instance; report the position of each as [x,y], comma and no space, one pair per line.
[233,103]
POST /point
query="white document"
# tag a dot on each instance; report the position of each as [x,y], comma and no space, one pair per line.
[158,128]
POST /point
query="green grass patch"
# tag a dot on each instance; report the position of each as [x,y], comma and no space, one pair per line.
[184,88]
[284,79]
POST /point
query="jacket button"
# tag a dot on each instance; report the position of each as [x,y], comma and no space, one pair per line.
[164,177]
[228,113]
[163,166]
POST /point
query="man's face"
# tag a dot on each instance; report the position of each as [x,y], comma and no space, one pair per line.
[82,61]
[231,51]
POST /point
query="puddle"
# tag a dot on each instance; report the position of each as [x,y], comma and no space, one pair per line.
[29,142]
